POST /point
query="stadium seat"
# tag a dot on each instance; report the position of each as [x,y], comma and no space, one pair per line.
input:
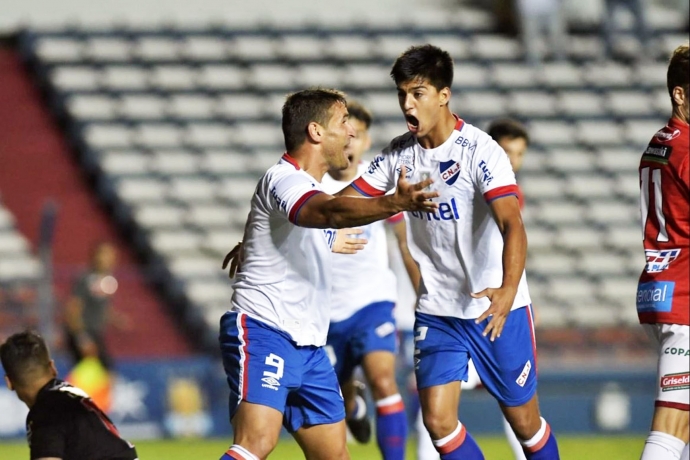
[20,268]
[153,49]
[102,135]
[141,190]
[597,133]
[173,77]
[610,212]
[471,76]
[618,160]
[253,48]
[561,213]
[157,135]
[208,135]
[324,75]
[662,103]
[59,50]
[539,237]
[578,238]
[549,316]
[91,107]
[383,104]
[159,216]
[124,164]
[178,242]
[145,107]
[235,107]
[625,235]
[602,263]
[580,104]
[457,47]
[561,75]
[348,48]
[495,47]
[259,135]
[589,186]
[6,218]
[301,48]
[480,104]
[630,104]
[74,78]
[536,186]
[236,190]
[471,19]
[195,189]
[203,48]
[191,106]
[221,77]
[191,267]
[260,161]
[12,242]
[651,74]
[608,75]
[620,291]
[552,133]
[550,264]
[513,75]
[220,242]
[628,185]
[120,78]
[174,162]
[526,104]
[209,216]
[107,49]
[569,160]
[595,315]
[367,76]
[585,47]
[639,132]
[271,77]
[207,291]
[223,162]
[572,292]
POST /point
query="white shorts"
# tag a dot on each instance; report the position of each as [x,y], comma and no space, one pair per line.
[673,372]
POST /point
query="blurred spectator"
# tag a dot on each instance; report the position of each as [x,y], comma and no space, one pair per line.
[537,17]
[88,309]
[610,27]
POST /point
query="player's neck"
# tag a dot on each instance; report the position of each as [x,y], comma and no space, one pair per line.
[310,161]
[28,393]
[440,132]
[680,114]
[344,175]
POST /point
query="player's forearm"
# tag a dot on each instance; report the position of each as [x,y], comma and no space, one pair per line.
[514,254]
[347,211]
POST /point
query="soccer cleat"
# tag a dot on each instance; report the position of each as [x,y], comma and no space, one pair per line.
[359,425]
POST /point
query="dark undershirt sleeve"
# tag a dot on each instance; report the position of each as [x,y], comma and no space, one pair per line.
[47,440]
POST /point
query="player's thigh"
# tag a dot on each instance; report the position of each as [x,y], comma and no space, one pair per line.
[257,428]
[507,366]
[441,355]
[261,364]
[673,378]
[379,369]
[317,400]
[323,442]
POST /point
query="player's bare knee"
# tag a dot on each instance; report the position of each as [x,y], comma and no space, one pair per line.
[259,444]
[383,386]
[439,425]
[525,425]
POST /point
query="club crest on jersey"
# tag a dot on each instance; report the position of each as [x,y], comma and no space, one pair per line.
[664,135]
[658,261]
[450,171]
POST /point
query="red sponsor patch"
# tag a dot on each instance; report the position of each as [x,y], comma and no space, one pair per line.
[671,382]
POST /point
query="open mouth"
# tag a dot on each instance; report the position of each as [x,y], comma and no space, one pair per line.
[350,158]
[412,123]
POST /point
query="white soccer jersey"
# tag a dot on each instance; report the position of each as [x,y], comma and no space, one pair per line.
[459,247]
[363,278]
[285,277]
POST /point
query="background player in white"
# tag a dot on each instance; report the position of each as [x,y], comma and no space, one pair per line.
[473,297]
[363,329]
[513,138]
[272,339]
[663,293]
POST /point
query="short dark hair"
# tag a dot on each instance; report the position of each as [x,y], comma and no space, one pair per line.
[507,127]
[426,62]
[24,353]
[678,73]
[304,107]
[361,113]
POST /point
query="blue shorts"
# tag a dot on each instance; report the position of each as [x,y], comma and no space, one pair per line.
[264,366]
[370,329]
[507,367]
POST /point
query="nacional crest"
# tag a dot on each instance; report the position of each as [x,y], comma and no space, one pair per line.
[450,171]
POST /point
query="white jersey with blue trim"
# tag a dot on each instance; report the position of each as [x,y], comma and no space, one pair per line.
[285,275]
[459,248]
[363,278]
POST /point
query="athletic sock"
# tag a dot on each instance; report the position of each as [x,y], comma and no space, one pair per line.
[391,427]
[237,452]
[458,445]
[360,409]
[542,446]
[662,446]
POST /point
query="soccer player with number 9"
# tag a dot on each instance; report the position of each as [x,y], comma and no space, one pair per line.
[663,293]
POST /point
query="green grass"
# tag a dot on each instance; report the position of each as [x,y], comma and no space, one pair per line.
[495,448]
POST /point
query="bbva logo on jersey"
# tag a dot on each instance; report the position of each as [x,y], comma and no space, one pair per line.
[450,171]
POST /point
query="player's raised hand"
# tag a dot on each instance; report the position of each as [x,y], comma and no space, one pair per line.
[234,258]
[501,302]
[347,243]
[412,196]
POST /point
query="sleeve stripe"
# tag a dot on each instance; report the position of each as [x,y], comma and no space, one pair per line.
[292,217]
[500,192]
[365,189]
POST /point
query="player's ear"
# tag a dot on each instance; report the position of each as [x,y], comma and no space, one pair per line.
[444,96]
[8,382]
[314,132]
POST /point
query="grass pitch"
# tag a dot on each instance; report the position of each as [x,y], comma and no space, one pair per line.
[495,448]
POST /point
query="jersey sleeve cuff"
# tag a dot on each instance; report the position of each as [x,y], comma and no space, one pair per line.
[294,212]
[363,187]
[500,192]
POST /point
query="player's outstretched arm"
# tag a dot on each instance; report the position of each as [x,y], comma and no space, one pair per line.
[328,211]
[506,212]
[400,231]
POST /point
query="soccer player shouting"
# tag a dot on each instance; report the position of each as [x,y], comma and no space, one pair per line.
[663,293]
[473,298]
[272,339]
